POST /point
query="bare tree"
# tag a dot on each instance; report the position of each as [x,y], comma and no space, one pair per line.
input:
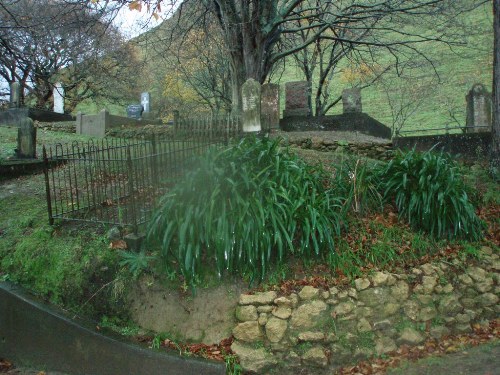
[44,41]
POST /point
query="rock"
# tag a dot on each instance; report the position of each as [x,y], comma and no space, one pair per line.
[400,290]
[486,250]
[428,283]
[410,336]
[465,279]
[384,345]
[263,298]
[311,336]
[463,318]
[283,301]
[308,292]
[325,294]
[484,286]
[375,296]
[439,331]
[246,313]
[264,309]
[427,313]
[315,357]
[448,288]
[477,274]
[449,305]
[282,312]
[306,315]
[428,269]
[462,328]
[364,326]
[253,360]
[487,299]
[114,234]
[363,312]
[353,293]
[361,284]
[275,329]
[468,302]
[391,308]
[334,291]
[343,295]
[379,278]
[343,308]
[411,309]
[263,318]
[247,331]
[293,359]
[362,353]
[295,299]
[382,325]
[425,299]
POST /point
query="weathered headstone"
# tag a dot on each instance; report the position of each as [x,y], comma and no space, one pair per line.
[297,97]
[26,139]
[145,101]
[135,111]
[478,109]
[270,105]
[250,96]
[58,98]
[351,100]
[15,95]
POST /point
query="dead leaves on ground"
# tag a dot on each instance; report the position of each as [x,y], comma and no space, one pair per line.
[432,347]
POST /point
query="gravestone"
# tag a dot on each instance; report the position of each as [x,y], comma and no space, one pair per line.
[270,105]
[145,101]
[26,139]
[58,98]
[478,110]
[250,96]
[351,100]
[135,111]
[15,95]
[297,97]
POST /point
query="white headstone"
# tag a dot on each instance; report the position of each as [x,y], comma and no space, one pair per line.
[58,98]
[250,95]
[145,101]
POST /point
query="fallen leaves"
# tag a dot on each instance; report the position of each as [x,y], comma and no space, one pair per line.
[5,365]
[118,245]
[432,347]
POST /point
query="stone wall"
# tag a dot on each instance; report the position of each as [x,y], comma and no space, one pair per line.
[315,330]
[65,127]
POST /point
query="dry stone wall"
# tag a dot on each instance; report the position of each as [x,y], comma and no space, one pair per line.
[315,330]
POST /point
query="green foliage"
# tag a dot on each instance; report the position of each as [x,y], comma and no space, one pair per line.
[430,194]
[245,208]
[136,262]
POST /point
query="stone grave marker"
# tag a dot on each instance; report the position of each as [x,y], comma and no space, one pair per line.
[26,139]
[250,96]
[58,98]
[297,99]
[270,105]
[146,102]
[351,100]
[134,111]
[15,95]
[478,110]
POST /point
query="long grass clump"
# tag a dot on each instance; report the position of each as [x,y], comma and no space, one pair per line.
[430,194]
[245,208]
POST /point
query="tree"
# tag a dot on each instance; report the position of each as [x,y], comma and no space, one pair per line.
[495,148]
[45,41]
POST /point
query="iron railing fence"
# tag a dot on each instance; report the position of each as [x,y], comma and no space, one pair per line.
[118,181]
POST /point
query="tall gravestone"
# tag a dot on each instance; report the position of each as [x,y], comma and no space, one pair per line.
[15,95]
[146,102]
[351,100]
[250,96]
[26,139]
[478,110]
[58,98]
[297,97]
[270,105]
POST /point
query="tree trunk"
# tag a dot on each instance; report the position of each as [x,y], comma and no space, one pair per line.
[495,147]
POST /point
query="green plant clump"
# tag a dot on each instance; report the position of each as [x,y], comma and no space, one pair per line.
[244,208]
[431,194]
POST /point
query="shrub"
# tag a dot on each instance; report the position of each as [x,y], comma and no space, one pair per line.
[244,208]
[430,193]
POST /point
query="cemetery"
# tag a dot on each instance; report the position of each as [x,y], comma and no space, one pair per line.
[187,224]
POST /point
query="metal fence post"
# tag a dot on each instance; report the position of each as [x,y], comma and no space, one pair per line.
[130,170]
[47,185]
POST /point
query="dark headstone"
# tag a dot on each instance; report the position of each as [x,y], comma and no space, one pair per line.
[351,100]
[297,99]
[135,111]
[250,96]
[478,109]
[26,139]
[270,105]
